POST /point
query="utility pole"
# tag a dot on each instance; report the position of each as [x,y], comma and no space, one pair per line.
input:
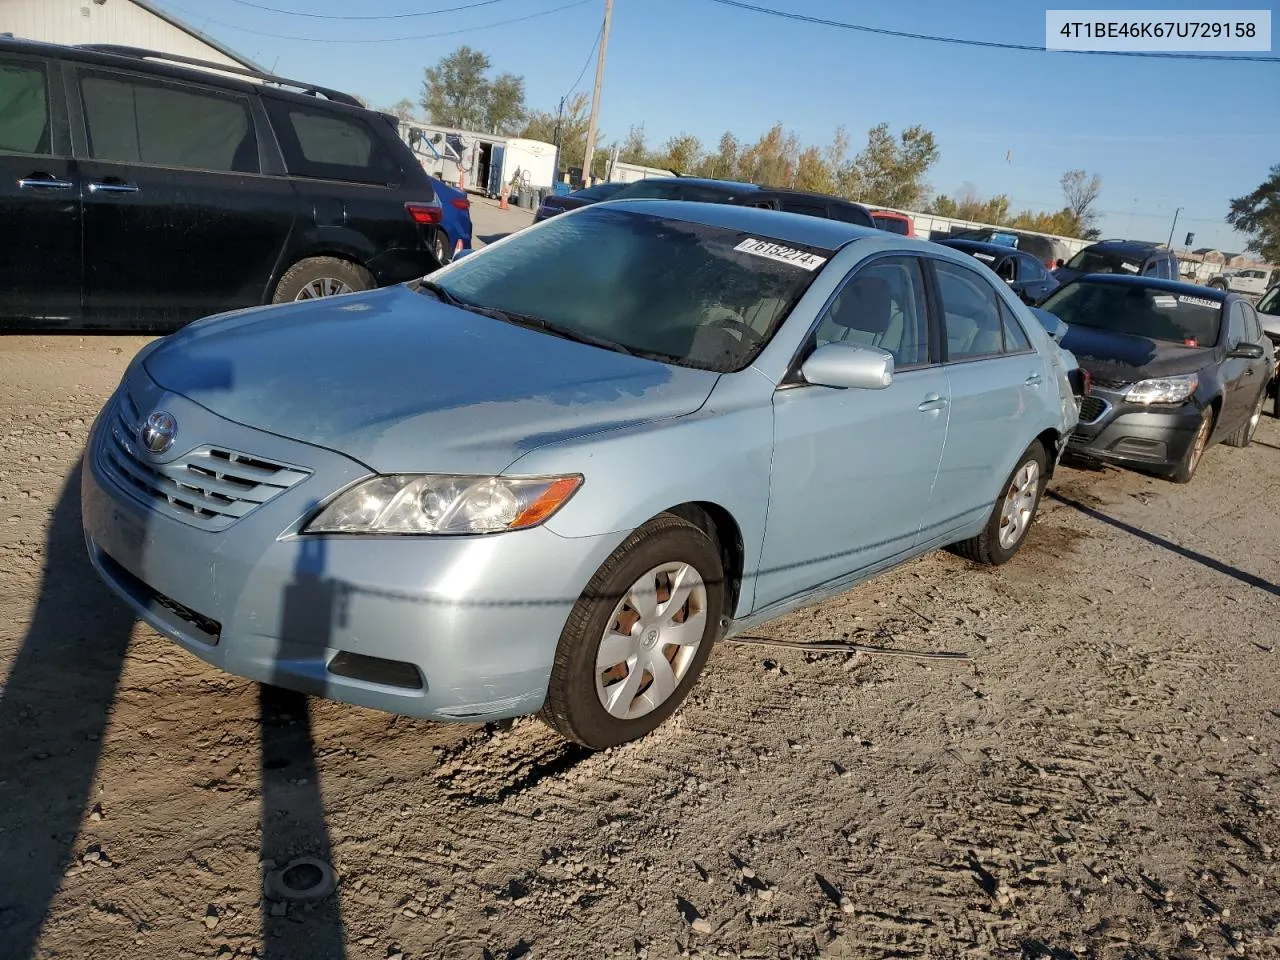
[1174,227]
[559,121]
[595,96]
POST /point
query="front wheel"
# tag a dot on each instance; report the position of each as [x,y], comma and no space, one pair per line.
[1186,468]
[317,277]
[1014,511]
[638,637]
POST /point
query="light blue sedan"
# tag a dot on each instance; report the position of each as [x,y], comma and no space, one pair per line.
[552,475]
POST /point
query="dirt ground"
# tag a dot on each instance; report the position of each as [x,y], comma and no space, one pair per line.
[1099,782]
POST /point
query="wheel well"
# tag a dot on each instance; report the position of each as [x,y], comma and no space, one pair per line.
[1050,439]
[317,255]
[718,523]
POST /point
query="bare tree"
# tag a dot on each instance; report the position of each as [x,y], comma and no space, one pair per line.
[1081,191]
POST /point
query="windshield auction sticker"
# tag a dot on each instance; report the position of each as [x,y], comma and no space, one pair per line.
[776,251]
[1171,30]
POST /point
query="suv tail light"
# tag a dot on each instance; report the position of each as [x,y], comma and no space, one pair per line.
[429,213]
[462,203]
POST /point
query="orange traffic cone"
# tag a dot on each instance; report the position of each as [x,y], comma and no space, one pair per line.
[506,191]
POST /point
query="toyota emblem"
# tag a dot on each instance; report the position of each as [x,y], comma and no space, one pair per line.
[158,432]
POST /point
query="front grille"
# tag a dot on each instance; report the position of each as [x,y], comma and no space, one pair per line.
[208,487]
[1091,408]
[1111,384]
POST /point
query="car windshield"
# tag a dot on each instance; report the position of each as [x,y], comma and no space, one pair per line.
[684,293]
[892,224]
[1103,261]
[1138,311]
[1270,302]
[601,191]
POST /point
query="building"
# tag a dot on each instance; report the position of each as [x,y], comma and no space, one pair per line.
[132,23]
[481,162]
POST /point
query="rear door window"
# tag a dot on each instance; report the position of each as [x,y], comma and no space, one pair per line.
[1029,268]
[24,108]
[328,145]
[1252,326]
[972,313]
[807,207]
[851,214]
[132,120]
[1015,338]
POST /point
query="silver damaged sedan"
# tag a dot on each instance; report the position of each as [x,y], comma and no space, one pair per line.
[549,477]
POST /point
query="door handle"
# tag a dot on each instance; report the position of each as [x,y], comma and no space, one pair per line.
[932,402]
[42,181]
[113,187]
[1034,380]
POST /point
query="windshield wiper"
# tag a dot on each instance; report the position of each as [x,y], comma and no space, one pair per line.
[441,294]
[540,323]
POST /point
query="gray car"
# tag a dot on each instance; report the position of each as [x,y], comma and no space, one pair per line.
[549,477]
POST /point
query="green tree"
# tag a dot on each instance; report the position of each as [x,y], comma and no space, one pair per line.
[541,125]
[455,92]
[634,149]
[680,154]
[890,171]
[404,109]
[505,109]
[723,164]
[771,160]
[1257,215]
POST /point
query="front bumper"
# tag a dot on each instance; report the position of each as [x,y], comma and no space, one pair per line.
[1117,431]
[450,628]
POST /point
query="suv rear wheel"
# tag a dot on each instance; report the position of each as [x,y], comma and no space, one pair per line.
[321,277]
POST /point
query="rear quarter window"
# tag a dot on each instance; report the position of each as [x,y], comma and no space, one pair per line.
[24,109]
[329,145]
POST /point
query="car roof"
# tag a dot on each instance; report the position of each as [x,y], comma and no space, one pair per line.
[774,224]
[983,246]
[1155,283]
[709,182]
[1139,248]
[156,62]
[807,195]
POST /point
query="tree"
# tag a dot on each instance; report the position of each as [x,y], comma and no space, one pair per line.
[723,164]
[505,109]
[634,149]
[1081,191]
[1258,216]
[541,125]
[891,171]
[455,92]
[680,154]
[404,109]
[771,160]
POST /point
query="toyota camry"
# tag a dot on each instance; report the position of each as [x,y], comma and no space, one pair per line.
[550,476]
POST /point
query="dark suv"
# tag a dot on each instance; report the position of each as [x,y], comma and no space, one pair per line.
[138,192]
[705,190]
[1133,258]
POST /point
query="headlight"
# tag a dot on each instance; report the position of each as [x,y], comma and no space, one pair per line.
[1163,389]
[444,504]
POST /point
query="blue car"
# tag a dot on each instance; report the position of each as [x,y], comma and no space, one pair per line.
[457,221]
[550,477]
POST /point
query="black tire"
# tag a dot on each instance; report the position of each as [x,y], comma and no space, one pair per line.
[1190,462]
[573,708]
[1218,285]
[314,272]
[986,548]
[1244,436]
[440,248]
[1275,402]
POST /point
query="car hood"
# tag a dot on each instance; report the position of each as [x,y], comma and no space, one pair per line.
[1121,357]
[1063,275]
[405,383]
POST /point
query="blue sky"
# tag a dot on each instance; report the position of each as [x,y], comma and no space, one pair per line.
[1162,134]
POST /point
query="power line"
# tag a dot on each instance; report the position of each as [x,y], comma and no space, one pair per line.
[385,16]
[422,36]
[881,31]
[583,73]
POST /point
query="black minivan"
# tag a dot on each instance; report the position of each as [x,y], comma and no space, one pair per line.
[143,190]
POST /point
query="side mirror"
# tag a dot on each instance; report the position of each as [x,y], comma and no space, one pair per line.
[849,365]
[1246,351]
[1060,262]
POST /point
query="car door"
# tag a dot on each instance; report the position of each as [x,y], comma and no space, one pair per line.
[996,381]
[179,221]
[39,197]
[1031,281]
[853,470]
[1242,377]
[1255,282]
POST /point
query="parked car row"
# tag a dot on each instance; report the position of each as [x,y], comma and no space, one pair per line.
[149,191]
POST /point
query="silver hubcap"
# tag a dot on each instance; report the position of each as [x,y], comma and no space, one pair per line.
[652,638]
[322,287]
[1257,415]
[1201,437]
[1019,504]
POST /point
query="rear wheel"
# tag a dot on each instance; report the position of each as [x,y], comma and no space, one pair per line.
[440,248]
[318,277]
[1244,436]
[1014,511]
[1186,469]
[638,637]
